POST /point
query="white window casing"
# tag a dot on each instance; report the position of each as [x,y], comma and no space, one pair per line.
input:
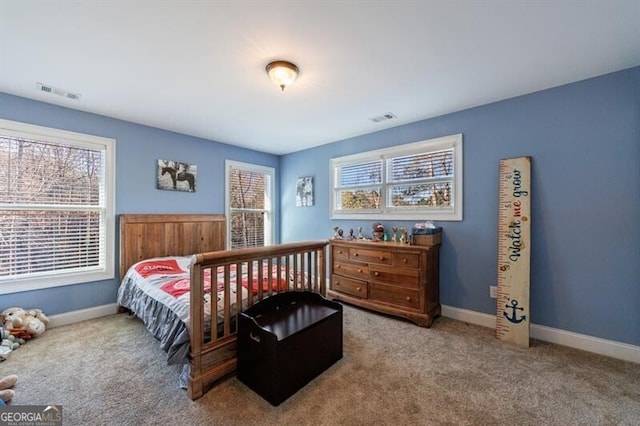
[249,197]
[57,207]
[415,181]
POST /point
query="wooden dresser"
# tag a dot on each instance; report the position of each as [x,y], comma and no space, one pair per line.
[389,277]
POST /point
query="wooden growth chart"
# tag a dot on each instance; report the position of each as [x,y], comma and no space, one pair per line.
[514,251]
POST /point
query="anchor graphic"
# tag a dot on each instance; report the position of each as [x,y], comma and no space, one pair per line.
[513,318]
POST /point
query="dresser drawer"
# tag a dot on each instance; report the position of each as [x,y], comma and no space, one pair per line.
[370,255]
[339,253]
[404,277]
[406,260]
[405,297]
[353,270]
[389,277]
[349,286]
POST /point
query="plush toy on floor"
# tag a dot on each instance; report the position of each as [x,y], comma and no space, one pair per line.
[6,344]
[24,323]
[6,393]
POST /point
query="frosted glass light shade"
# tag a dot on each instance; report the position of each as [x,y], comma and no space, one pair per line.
[282,73]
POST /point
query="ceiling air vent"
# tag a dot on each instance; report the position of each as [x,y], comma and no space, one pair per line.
[56,91]
[383,117]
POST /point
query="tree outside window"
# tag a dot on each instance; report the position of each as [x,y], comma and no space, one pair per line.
[249,198]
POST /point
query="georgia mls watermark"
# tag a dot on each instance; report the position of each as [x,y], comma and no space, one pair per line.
[31,415]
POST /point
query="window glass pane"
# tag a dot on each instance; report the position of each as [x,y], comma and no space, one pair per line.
[249,200]
[369,173]
[37,241]
[33,172]
[246,189]
[359,199]
[421,166]
[431,194]
[247,229]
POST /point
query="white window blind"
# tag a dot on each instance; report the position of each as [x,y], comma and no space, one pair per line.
[421,180]
[249,211]
[360,186]
[54,207]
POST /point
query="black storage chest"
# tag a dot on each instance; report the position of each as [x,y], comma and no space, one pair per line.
[285,341]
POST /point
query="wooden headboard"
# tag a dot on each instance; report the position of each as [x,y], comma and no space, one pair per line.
[143,236]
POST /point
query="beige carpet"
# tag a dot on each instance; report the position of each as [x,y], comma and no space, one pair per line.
[110,371]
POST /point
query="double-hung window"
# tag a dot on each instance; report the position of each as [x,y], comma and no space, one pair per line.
[56,207]
[421,180]
[249,205]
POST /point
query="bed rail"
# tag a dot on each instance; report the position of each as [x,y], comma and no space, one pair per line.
[265,270]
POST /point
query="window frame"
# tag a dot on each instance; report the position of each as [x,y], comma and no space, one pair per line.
[64,137]
[453,213]
[270,204]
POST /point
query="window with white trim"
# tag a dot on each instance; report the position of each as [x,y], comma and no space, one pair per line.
[249,204]
[56,207]
[421,180]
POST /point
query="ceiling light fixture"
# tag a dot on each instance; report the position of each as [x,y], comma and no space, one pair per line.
[282,73]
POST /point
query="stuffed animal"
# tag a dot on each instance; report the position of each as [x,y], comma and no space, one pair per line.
[39,315]
[8,343]
[6,346]
[12,317]
[24,323]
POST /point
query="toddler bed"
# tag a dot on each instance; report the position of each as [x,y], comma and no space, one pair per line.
[167,262]
[157,291]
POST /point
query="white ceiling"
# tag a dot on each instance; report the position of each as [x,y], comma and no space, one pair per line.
[197,67]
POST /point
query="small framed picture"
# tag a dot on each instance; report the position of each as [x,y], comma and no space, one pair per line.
[176,176]
[304,192]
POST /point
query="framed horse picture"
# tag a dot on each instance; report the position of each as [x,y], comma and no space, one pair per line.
[176,176]
[304,191]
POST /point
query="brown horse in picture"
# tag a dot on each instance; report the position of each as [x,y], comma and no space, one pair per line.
[181,176]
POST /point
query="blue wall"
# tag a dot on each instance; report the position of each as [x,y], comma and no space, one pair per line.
[138,149]
[585,142]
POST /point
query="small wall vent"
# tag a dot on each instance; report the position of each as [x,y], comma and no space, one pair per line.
[383,117]
[57,91]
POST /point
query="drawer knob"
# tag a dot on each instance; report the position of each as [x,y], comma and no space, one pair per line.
[339,251]
[381,257]
[360,270]
[358,288]
[337,266]
[356,254]
[408,299]
[404,260]
[376,273]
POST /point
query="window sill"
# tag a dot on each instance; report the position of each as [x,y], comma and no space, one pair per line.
[30,284]
[421,216]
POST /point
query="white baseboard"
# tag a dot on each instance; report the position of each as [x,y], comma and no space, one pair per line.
[584,342]
[473,317]
[82,315]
